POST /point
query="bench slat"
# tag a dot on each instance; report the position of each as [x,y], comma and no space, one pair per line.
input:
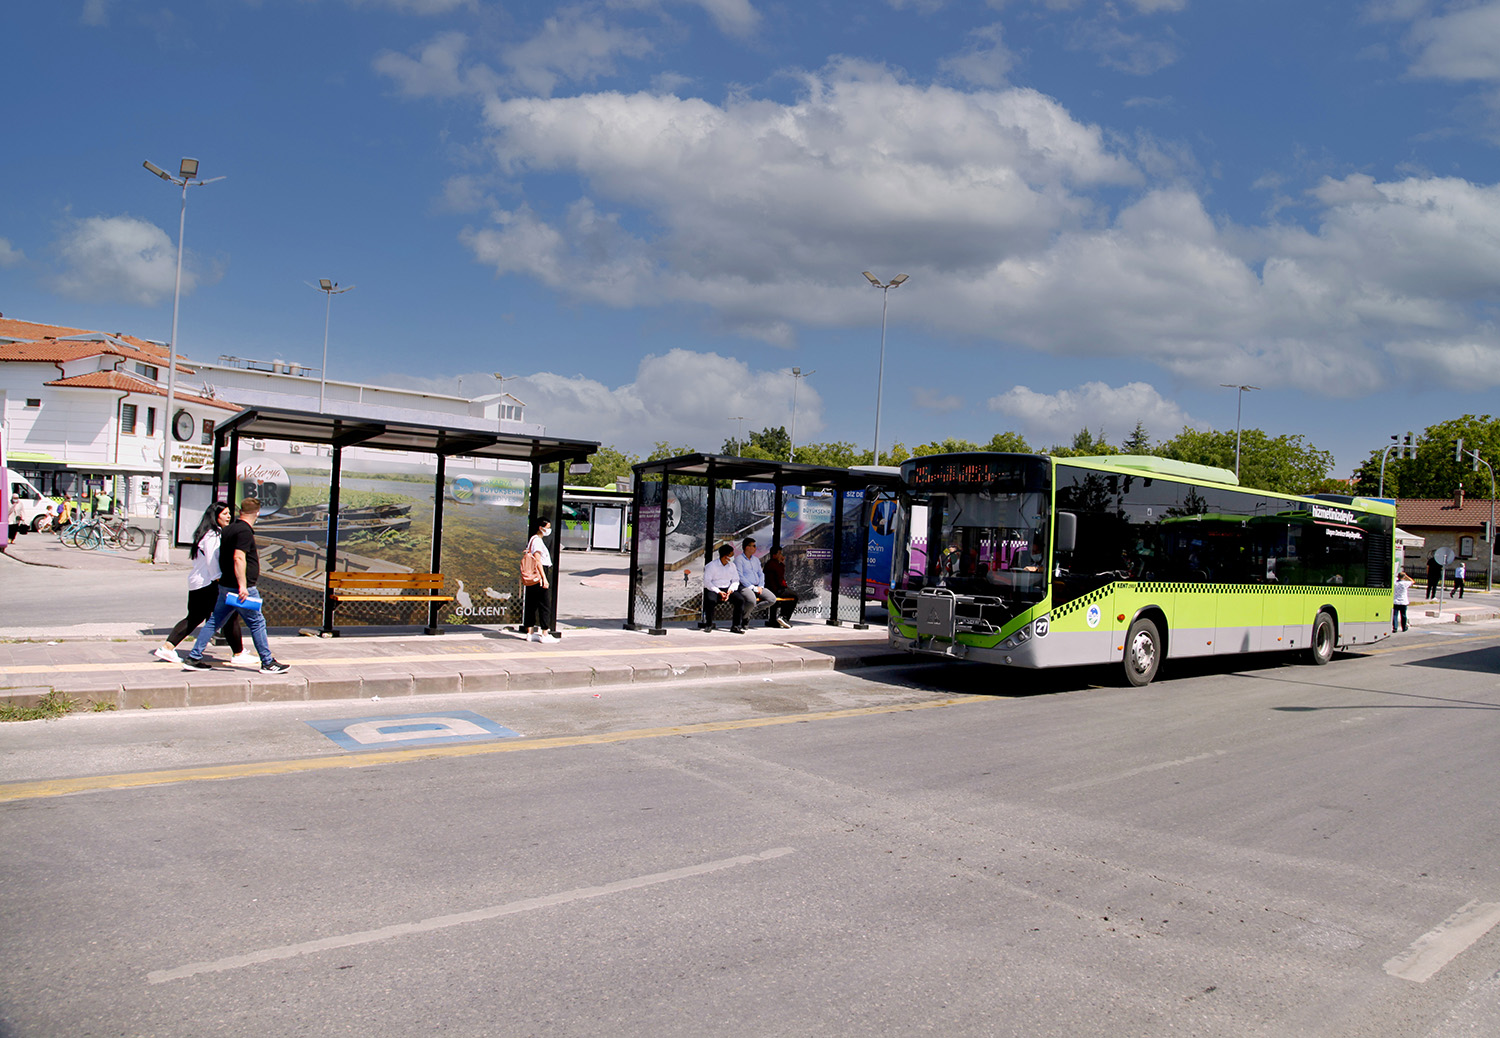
[338,597]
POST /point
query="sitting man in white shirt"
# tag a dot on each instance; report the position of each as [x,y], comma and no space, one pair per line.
[721,583]
[753,577]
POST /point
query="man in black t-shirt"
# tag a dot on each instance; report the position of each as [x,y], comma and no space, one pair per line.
[239,568]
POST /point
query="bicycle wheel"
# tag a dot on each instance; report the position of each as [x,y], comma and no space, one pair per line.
[72,534]
[135,538]
[90,539]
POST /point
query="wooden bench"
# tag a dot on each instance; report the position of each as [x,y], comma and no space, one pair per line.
[370,586]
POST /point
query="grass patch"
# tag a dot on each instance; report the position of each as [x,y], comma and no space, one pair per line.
[53,704]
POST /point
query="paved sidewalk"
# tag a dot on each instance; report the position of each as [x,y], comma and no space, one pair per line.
[123,673]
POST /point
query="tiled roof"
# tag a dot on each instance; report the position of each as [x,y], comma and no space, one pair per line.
[1414,513]
[123,381]
[10,328]
[29,341]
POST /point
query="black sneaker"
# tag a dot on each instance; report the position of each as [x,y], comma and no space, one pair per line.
[274,668]
[188,663]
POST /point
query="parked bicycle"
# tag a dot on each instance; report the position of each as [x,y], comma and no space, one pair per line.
[111,532]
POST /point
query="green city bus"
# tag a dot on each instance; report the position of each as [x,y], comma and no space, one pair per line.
[1031,561]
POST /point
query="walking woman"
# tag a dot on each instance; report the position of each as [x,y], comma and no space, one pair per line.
[203,590]
[537,611]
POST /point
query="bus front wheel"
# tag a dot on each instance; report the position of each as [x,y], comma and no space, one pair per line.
[1142,652]
[1323,637]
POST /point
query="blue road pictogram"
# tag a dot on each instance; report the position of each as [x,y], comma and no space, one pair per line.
[402,731]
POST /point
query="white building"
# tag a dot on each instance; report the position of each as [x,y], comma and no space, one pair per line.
[82,409]
[85,409]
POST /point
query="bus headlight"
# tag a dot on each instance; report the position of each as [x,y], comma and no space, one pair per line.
[1020,637]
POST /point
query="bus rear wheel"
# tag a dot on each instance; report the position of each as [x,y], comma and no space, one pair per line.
[1320,651]
[1142,653]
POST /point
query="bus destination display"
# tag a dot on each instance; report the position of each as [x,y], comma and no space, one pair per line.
[965,471]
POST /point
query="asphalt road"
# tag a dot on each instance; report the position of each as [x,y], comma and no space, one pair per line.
[1243,848]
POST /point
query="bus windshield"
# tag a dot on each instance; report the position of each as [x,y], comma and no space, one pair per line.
[975,542]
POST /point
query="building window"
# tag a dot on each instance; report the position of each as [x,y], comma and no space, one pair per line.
[208,432]
[148,370]
[33,401]
[127,419]
[150,421]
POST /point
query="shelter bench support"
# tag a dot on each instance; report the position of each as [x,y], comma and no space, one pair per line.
[382,587]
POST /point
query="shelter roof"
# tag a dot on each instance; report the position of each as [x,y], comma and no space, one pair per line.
[759,470]
[1428,512]
[351,430]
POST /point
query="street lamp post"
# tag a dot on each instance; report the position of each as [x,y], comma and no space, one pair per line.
[797,376]
[1238,408]
[330,289]
[187,176]
[739,443]
[1489,574]
[885,295]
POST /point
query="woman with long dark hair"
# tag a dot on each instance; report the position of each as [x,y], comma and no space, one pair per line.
[536,617]
[203,590]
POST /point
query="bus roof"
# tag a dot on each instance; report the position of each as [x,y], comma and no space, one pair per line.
[1157,467]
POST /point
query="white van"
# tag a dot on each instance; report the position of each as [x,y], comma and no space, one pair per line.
[26,502]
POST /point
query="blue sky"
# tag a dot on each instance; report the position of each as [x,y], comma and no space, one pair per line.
[652,209]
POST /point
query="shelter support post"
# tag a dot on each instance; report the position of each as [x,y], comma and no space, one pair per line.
[661,553]
[433,608]
[838,556]
[708,538]
[860,622]
[232,477]
[636,494]
[330,553]
[555,548]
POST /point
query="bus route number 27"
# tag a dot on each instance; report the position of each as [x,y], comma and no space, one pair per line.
[1043,625]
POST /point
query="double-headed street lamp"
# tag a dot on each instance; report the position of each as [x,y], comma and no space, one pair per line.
[885,295]
[1239,406]
[187,177]
[1459,452]
[797,376]
[331,289]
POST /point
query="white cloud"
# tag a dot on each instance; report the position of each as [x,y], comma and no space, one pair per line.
[95,13]
[733,17]
[681,396]
[120,258]
[1462,44]
[10,256]
[986,61]
[1110,412]
[929,399]
[418,7]
[574,46]
[437,70]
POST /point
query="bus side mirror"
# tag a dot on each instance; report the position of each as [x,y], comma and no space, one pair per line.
[1067,531]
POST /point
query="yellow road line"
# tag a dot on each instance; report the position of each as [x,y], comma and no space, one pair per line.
[443,656]
[93,783]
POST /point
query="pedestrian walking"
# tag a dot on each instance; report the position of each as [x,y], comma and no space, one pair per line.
[1459,572]
[1434,577]
[536,608]
[239,566]
[1402,600]
[203,590]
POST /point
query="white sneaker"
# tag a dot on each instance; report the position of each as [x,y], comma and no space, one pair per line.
[166,655]
[550,638]
[534,637]
[244,659]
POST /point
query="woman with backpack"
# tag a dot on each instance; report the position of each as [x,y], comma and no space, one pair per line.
[537,607]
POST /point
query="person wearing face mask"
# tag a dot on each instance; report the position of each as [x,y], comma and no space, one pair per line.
[537,607]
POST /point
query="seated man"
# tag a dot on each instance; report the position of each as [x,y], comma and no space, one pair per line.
[781,612]
[721,583]
[753,578]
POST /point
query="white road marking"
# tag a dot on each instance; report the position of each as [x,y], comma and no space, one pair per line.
[1441,945]
[1133,772]
[288,951]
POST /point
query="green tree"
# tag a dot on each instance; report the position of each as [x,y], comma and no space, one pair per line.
[1285,463]
[1007,443]
[1084,444]
[1435,472]
[948,446]
[609,465]
[664,450]
[769,444]
[1138,442]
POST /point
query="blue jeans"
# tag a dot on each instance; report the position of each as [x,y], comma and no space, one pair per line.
[251,618]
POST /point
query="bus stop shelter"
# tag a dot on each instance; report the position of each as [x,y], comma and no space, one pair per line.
[341,432]
[683,514]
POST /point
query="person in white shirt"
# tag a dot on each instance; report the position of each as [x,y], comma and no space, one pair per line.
[1402,600]
[752,577]
[203,591]
[1459,572]
[721,583]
